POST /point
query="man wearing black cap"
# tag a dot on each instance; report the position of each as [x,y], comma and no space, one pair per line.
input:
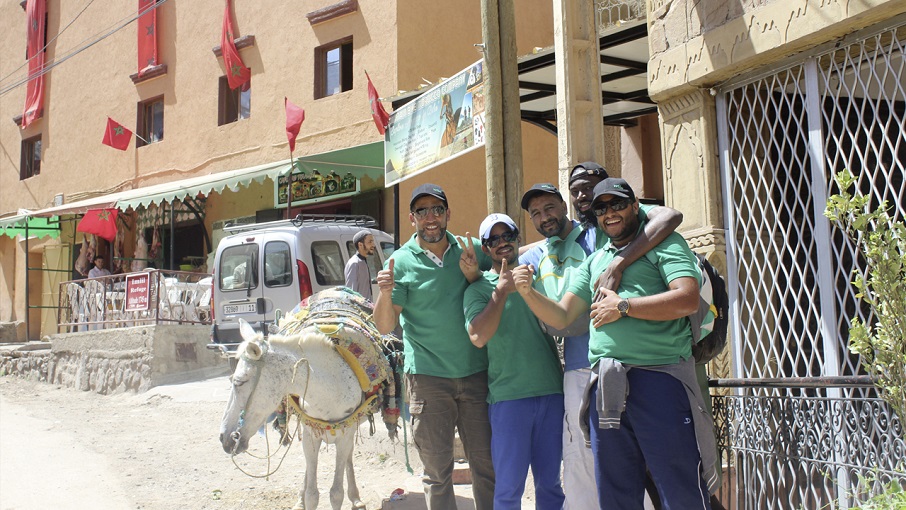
[358,276]
[422,286]
[567,245]
[645,407]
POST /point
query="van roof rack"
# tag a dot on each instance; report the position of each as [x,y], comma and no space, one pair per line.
[359,220]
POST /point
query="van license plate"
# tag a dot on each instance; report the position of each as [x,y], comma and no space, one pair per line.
[234,309]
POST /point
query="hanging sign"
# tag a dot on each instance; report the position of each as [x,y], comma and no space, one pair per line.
[439,125]
[137,291]
[313,187]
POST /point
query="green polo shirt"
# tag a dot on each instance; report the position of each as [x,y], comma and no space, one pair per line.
[522,361]
[636,341]
[434,340]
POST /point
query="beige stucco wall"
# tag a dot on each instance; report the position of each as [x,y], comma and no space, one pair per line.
[401,43]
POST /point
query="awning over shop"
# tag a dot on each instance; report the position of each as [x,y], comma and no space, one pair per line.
[13,226]
[360,161]
[169,191]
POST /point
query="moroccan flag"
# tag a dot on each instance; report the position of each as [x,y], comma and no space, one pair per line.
[378,113]
[147,35]
[236,72]
[34,91]
[116,135]
[100,222]
[294,118]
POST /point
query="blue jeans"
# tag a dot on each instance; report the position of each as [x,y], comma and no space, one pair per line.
[527,432]
[437,405]
[656,431]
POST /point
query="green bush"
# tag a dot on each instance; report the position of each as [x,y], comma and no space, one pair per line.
[882,244]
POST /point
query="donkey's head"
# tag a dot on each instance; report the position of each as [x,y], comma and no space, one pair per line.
[259,382]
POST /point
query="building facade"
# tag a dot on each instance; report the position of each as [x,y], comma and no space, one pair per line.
[226,146]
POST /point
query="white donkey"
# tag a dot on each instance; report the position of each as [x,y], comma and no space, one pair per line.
[308,365]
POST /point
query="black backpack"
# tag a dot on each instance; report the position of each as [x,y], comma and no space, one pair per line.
[709,323]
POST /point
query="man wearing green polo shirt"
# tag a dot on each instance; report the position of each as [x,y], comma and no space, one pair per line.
[422,287]
[524,376]
[644,405]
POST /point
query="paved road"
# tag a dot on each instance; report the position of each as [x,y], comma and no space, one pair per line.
[43,466]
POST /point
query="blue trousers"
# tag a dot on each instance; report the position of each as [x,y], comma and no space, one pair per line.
[656,431]
[527,432]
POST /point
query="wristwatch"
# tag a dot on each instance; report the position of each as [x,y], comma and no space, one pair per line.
[623,307]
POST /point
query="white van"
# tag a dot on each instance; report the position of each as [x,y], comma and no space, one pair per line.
[265,267]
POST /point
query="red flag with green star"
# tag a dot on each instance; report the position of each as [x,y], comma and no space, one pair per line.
[236,72]
[116,135]
[100,222]
[147,35]
[378,113]
[36,11]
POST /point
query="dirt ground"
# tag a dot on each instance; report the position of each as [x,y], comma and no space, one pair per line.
[63,448]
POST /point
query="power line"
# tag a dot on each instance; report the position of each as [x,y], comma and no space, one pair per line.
[64,58]
[27,60]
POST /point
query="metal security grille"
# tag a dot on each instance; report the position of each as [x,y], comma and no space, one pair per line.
[782,139]
[788,438]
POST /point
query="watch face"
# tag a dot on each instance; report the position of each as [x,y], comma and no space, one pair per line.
[623,306]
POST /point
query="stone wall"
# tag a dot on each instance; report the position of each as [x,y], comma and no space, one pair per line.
[117,360]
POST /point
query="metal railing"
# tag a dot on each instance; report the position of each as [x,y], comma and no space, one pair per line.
[109,302]
[789,444]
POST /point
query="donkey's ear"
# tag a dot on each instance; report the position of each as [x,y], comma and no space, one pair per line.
[246,330]
[253,351]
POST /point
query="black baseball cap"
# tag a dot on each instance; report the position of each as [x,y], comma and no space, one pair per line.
[589,168]
[613,186]
[537,189]
[428,189]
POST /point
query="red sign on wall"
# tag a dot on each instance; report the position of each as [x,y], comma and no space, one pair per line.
[137,291]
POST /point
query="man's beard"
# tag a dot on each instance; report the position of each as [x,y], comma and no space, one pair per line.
[441,233]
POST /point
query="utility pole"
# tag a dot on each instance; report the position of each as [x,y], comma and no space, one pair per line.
[503,130]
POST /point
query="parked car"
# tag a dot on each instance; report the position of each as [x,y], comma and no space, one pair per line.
[265,267]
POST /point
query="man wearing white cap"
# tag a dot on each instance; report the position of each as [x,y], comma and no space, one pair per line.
[525,383]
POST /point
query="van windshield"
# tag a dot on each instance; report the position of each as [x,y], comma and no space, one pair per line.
[238,267]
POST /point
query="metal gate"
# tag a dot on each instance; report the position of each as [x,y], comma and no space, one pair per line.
[782,136]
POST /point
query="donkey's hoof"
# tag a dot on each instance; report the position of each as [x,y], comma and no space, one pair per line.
[300,505]
[358,505]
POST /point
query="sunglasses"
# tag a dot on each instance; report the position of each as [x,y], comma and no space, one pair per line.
[422,212]
[506,237]
[601,208]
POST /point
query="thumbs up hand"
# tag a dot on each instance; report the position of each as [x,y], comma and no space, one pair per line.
[385,279]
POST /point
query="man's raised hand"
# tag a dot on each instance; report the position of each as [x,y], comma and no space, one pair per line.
[385,279]
[523,277]
[506,282]
[468,261]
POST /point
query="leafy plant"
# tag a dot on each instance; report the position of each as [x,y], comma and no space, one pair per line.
[882,243]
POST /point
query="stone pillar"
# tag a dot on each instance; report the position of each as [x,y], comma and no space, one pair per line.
[580,129]
[692,180]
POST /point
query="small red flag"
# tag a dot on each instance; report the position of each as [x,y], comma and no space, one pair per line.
[100,222]
[116,135]
[34,51]
[236,72]
[294,118]
[378,113]
[147,35]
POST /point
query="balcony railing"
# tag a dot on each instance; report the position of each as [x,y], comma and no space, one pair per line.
[611,13]
[148,297]
[826,442]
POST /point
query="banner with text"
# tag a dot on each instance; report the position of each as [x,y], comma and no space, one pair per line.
[309,188]
[437,126]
